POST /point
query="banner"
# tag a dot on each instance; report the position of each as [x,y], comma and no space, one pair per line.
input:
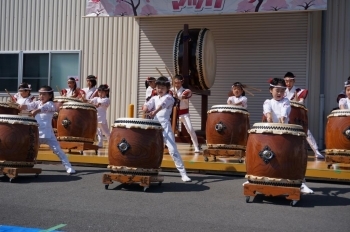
[146,8]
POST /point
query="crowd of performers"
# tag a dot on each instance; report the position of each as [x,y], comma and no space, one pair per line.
[160,99]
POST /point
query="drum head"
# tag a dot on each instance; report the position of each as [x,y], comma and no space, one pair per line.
[65,99]
[297,104]
[202,57]
[137,123]
[339,113]
[227,108]
[277,128]
[9,105]
[78,105]
[16,119]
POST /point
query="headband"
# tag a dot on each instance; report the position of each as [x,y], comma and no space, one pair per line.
[91,78]
[75,79]
[289,78]
[346,84]
[29,88]
[278,86]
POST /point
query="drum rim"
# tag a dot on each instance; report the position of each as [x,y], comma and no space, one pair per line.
[9,105]
[70,99]
[337,113]
[17,117]
[139,122]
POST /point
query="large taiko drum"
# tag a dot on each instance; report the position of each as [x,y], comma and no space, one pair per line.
[337,136]
[58,102]
[136,143]
[77,122]
[19,141]
[202,57]
[276,154]
[298,115]
[227,127]
[9,108]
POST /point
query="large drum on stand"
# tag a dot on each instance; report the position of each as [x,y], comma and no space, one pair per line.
[337,136]
[19,141]
[135,144]
[77,122]
[227,127]
[298,115]
[58,102]
[9,108]
[202,57]
[276,154]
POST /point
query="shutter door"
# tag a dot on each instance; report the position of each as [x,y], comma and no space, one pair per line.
[251,48]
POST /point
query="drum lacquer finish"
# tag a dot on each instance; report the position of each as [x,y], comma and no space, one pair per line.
[9,108]
[202,57]
[276,154]
[77,122]
[58,102]
[298,115]
[337,133]
[19,141]
[136,143]
[227,124]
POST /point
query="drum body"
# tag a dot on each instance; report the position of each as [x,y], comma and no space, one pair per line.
[276,154]
[58,102]
[136,143]
[298,115]
[19,141]
[9,108]
[338,130]
[77,122]
[201,55]
[227,125]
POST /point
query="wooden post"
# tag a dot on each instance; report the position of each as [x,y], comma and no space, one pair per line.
[131,111]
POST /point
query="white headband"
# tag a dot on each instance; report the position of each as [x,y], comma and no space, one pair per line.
[45,91]
[346,84]
[278,86]
[26,88]
[289,78]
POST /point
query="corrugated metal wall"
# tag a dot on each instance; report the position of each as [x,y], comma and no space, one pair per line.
[251,48]
[109,45]
[337,50]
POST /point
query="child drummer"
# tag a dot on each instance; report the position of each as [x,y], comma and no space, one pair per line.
[163,104]
[23,96]
[91,91]
[72,90]
[296,94]
[43,111]
[277,110]
[238,98]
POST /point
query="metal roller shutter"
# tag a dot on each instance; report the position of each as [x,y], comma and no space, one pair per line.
[251,48]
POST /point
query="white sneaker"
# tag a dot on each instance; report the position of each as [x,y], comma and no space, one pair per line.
[247,182]
[70,170]
[196,150]
[185,178]
[318,155]
[305,189]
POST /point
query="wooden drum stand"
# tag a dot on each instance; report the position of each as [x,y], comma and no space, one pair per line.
[78,145]
[230,150]
[126,175]
[337,156]
[12,169]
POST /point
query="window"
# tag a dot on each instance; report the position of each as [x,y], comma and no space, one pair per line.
[38,68]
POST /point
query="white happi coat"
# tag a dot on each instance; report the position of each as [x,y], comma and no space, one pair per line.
[184,103]
[44,118]
[23,101]
[102,109]
[89,93]
[240,99]
[277,109]
[167,102]
[345,102]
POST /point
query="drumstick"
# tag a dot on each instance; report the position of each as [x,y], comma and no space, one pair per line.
[172,78]
[58,89]
[169,72]
[248,92]
[159,71]
[12,98]
[249,87]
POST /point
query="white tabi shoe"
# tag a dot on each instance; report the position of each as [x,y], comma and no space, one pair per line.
[185,178]
[196,150]
[318,155]
[305,189]
[70,170]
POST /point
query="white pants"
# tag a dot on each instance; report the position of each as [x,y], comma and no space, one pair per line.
[102,129]
[185,119]
[56,148]
[311,140]
[169,140]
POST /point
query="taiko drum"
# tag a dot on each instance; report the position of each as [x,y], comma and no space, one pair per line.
[227,125]
[19,141]
[136,143]
[298,115]
[58,102]
[276,154]
[77,122]
[338,130]
[9,108]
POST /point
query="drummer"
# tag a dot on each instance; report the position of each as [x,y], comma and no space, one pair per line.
[238,97]
[163,104]
[23,96]
[150,84]
[296,94]
[72,90]
[277,110]
[43,111]
[183,95]
[91,91]
[344,103]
